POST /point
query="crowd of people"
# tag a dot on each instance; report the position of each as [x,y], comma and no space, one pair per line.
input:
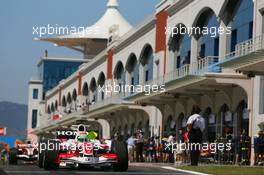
[156,149]
[165,149]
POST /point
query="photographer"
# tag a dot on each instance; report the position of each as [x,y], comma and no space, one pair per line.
[195,126]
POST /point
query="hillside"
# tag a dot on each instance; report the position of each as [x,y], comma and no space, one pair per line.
[14,117]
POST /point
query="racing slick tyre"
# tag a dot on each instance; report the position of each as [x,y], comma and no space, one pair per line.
[120,148]
[13,156]
[41,149]
[50,155]
[40,160]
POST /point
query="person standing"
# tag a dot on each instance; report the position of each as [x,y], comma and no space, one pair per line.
[195,126]
[4,156]
[130,147]
[139,146]
[150,149]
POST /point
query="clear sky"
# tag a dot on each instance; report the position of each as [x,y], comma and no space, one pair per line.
[19,54]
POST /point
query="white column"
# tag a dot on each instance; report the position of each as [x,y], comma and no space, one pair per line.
[108,86]
[141,74]
[170,62]
[128,82]
[194,49]
[222,42]
[194,54]
[258,18]
[128,78]
[105,128]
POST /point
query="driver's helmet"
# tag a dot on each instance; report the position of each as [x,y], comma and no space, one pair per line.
[82,138]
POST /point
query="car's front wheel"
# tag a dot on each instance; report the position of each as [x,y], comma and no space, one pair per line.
[50,156]
[120,149]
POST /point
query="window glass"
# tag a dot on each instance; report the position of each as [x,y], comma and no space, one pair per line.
[210,41]
[242,24]
[35,94]
[55,71]
[34,118]
[184,55]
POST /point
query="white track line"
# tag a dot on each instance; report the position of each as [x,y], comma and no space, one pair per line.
[86,172]
[27,172]
[184,171]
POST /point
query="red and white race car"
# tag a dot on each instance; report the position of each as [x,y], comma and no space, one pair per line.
[27,152]
[80,148]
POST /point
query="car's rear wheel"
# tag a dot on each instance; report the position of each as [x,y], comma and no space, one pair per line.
[40,160]
[13,156]
[41,149]
[50,155]
[120,149]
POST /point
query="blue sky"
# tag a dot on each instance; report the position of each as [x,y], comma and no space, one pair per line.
[19,54]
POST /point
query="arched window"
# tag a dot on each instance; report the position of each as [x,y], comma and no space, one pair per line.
[93,89]
[147,61]
[180,45]
[101,83]
[226,122]
[85,89]
[132,68]
[119,75]
[242,113]
[208,37]
[56,105]
[69,99]
[182,122]
[210,125]
[74,95]
[239,16]
[170,125]
[48,109]
[64,102]
[52,108]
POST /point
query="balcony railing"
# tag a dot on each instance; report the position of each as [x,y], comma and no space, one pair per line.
[115,99]
[247,47]
[197,68]
[205,65]
[178,73]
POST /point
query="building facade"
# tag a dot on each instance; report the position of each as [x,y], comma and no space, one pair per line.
[222,74]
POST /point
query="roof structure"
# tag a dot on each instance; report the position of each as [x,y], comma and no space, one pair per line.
[96,35]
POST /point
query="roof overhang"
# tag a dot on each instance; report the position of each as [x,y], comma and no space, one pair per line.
[178,83]
[94,45]
[250,62]
[188,86]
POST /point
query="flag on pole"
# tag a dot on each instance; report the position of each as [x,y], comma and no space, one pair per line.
[2,131]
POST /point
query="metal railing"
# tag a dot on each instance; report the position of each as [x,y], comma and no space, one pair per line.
[197,68]
[203,65]
[247,47]
[178,73]
[114,99]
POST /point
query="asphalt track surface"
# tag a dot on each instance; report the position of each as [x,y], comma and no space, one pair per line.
[26,169]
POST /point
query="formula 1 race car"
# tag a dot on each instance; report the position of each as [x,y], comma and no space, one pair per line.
[27,152]
[81,149]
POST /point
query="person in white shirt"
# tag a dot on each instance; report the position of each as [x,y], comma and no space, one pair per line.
[130,147]
[195,126]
